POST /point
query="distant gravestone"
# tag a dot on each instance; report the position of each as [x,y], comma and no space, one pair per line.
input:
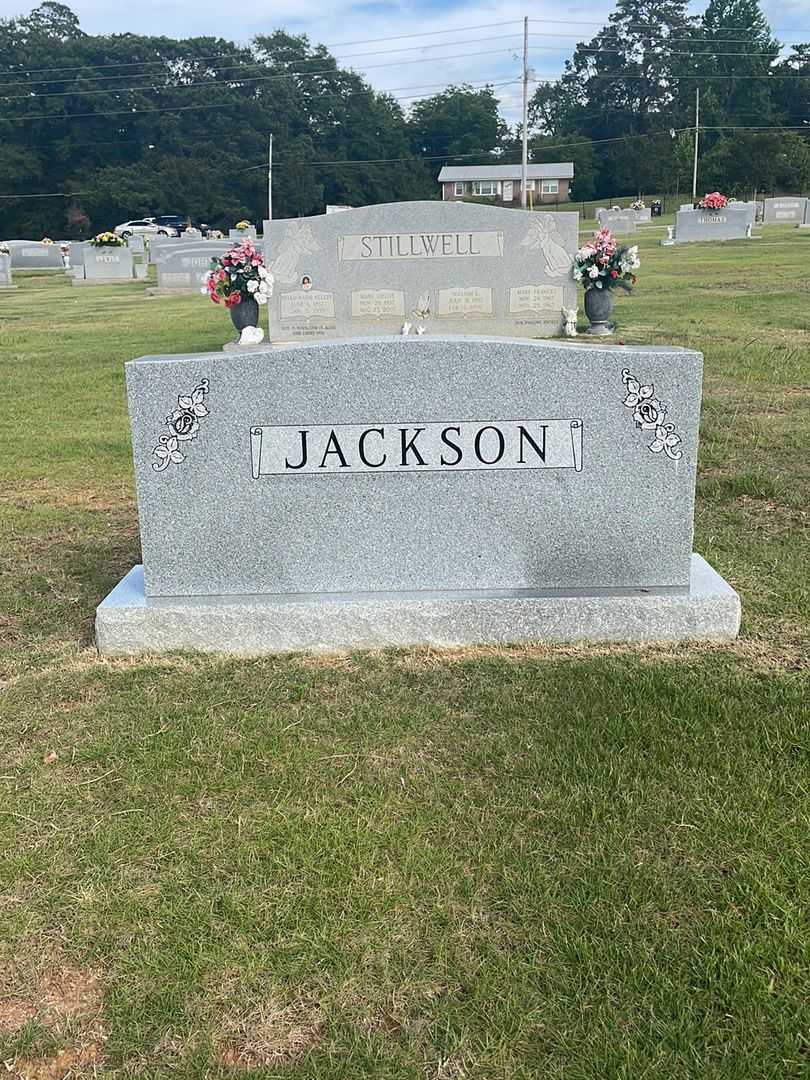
[163,243]
[6,281]
[404,490]
[787,210]
[180,269]
[644,215]
[105,266]
[33,255]
[431,267]
[136,244]
[620,222]
[242,234]
[806,222]
[730,223]
[77,250]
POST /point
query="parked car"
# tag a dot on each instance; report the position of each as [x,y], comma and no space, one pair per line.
[144,227]
[179,222]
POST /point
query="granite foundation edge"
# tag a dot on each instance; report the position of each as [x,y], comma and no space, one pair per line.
[126,624]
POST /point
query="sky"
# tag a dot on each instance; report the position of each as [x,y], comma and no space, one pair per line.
[458,42]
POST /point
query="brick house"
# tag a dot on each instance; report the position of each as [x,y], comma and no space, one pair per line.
[501,183]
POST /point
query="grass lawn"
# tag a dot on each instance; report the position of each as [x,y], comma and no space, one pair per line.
[579,863]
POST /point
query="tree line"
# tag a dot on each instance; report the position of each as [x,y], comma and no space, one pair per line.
[127,125]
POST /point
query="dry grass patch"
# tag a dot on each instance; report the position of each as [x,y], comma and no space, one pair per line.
[272,1032]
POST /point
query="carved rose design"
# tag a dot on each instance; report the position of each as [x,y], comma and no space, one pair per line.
[667,441]
[650,414]
[183,424]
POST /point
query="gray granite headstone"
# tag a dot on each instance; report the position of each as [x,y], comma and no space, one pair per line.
[643,216]
[786,210]
[182,267]
[163,243]
[33,255]
[620,222]
[242,234]
[806,222]
[442,267]
[77,250]
[107,264]
[5,272]
[730,223]
[136,244]
[390,464]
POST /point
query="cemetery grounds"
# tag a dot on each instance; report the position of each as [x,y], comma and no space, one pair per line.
[567,863]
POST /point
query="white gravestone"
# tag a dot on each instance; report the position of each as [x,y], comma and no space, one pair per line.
[6,281]
[434,267]
[405,490]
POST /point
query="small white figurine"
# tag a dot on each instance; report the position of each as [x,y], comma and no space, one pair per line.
[251,335]
[406,329]
[749,231]
[670,232]
[420,329]
[570,316]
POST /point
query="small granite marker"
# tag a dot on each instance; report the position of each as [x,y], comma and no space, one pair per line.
[6,281]
[399,490]
[435,267]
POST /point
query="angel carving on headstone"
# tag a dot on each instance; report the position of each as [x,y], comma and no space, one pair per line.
[544,235]
[298,240]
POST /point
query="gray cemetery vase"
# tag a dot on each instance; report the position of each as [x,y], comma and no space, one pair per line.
[598,308]
[245,314]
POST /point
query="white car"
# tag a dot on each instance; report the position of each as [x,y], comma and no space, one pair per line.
[143,227]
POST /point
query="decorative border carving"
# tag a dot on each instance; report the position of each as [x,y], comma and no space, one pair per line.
[183,424]
[650,414]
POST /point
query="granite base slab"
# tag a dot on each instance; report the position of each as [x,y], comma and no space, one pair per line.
[81,282]
[127,622]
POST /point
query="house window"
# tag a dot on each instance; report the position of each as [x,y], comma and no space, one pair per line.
[459,187]
[485,187]
[550,187]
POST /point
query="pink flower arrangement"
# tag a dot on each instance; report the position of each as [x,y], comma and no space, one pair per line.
[239,274]
[602,264]
[713,201]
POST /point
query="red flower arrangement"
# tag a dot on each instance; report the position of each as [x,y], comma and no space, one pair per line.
[713,201]
[239,274]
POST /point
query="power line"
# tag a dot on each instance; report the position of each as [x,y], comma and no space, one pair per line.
[231,67]
[268,78]
[238,78]
[218,56]
[657,26]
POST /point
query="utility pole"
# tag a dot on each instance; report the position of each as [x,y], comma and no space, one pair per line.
[524,161]
[270,180]
[697,137]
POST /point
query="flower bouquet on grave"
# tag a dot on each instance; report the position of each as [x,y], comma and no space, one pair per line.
[5,249]
[713,201]
[639,204]
[600,266]
[46,240]
[242,226]
[240,280]
[106,239]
